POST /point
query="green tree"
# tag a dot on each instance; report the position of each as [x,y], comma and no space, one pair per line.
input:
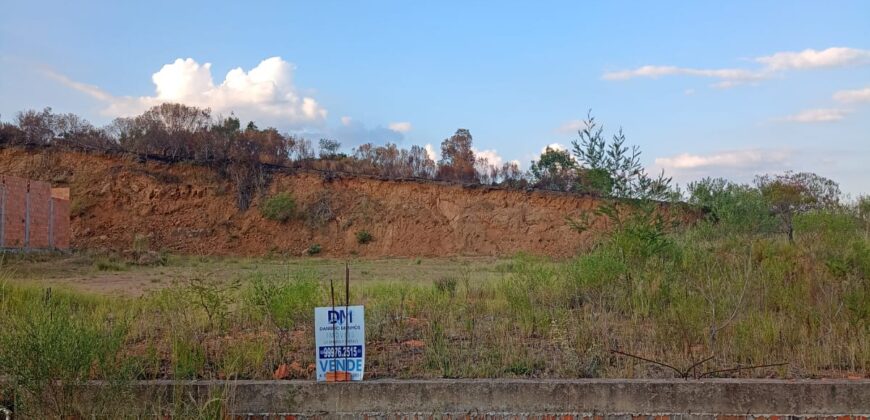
[554,170]
[612,168]
[792,193]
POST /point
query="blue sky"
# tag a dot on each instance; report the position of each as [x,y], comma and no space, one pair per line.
[724,89]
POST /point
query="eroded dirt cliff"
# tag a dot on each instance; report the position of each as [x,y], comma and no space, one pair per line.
[190,209]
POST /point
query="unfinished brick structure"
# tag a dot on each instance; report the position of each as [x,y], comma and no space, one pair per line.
[33,215]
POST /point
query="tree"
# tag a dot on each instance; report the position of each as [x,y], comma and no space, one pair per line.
[457,158]
[732,206]
[511,175]
[792,193]
[37,127]
[554,170]
[613,169]
[329,148]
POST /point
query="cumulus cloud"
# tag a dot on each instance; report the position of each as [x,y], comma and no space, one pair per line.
[856,95]
[264,93]
[771,65]
[400,127]
[490,155]
[818,115]
[554,146]
[431,152]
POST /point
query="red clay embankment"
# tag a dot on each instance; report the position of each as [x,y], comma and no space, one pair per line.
[190,209]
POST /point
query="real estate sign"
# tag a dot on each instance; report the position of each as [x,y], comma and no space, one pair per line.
[340,343]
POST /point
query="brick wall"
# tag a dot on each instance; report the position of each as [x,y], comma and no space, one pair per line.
[32,215]
[14,193]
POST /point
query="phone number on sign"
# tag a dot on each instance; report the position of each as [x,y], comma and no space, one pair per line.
[339,352]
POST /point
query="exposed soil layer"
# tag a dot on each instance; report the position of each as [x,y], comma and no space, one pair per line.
[191,209]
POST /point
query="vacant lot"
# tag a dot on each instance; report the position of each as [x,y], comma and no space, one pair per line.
[724,301]
[115,276]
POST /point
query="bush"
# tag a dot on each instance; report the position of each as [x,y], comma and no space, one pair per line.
[363,237]
[284,301]
[280,207]
[733,207]
[51,342]
[314,249]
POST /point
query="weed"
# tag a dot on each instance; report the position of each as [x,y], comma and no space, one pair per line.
[446,285]
[280,207]
[214,297]
[109,264]
[363,237]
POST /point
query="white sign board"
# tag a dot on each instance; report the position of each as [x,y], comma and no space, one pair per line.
[340,343]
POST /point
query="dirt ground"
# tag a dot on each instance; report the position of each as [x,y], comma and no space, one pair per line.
[88,273]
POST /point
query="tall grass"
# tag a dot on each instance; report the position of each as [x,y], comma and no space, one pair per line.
[743,297]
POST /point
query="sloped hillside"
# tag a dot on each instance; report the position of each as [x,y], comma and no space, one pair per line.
[191,209]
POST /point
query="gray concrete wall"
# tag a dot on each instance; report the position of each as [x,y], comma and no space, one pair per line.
[528,398]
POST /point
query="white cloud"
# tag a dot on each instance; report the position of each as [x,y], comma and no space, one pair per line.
[654,72]
[572,126]
[554,146]
[353,133]
[857,95]
[771,65]
[400,127]
[490,155]
[747,158]
[737,165]
[265,93]
[90,90]
[431,152]
[817,115]
[811,59]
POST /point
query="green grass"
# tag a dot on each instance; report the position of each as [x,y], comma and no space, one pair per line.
[281,207]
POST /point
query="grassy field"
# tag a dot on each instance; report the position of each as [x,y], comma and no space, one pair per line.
[740,299]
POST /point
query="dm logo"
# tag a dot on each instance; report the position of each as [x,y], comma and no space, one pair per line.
[340,317]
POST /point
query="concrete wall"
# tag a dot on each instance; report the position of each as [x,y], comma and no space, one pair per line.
[33,215]
[541,399]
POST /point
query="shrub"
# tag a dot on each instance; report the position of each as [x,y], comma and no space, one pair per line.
[109,264]
[313,249]
[732,207]
[363,237]
[214,297]
[284,301]
[51,342]
[280,207]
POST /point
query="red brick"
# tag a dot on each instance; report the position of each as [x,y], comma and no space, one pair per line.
[14,190]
